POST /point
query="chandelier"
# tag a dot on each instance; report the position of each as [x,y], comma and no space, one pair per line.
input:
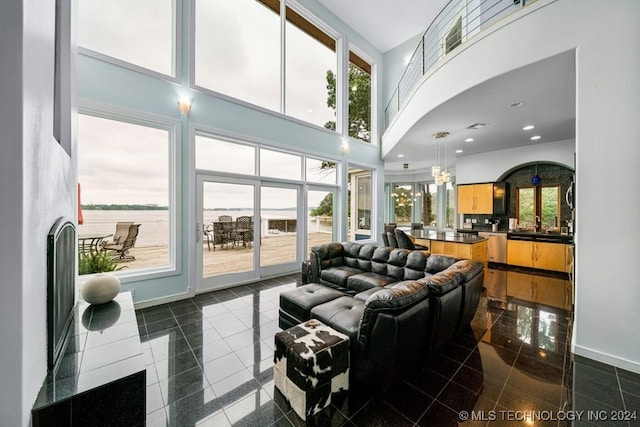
[442,174]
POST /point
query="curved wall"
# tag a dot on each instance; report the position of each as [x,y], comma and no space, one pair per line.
[607,108]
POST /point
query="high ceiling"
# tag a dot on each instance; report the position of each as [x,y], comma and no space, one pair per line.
[386,24]
[546,90]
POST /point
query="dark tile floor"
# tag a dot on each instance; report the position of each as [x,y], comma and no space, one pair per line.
[209,363]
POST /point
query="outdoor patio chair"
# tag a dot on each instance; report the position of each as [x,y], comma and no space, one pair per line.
[129,242]
[122,231]
[244,230]
[225,218]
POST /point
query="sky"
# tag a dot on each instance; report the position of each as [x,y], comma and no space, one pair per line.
[237,53]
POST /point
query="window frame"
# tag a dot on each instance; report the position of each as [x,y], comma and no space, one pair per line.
[177,55]
[174,129]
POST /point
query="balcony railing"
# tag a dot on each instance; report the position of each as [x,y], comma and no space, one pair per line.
[454,25]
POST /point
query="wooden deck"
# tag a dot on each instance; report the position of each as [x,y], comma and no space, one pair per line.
[275,249]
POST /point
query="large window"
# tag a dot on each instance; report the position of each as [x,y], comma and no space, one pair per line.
[359,98]
[238,51]
[223,156]
[140,32]
[361,203]
[123,170]
[310,59]
[539,205]
[402,195]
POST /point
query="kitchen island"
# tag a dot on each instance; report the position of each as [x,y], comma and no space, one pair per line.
[451,243]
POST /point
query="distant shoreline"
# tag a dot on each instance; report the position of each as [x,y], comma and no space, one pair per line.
[165,208]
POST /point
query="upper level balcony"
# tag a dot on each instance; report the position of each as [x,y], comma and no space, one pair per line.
[472,43]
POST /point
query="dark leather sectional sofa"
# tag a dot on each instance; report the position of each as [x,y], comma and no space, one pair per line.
[397,306]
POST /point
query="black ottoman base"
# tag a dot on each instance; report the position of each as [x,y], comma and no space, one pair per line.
[296,304]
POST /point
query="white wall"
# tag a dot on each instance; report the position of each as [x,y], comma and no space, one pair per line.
[37,185]
[489,167]
[607,109]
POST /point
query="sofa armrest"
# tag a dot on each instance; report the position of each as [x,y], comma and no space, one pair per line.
[393,299]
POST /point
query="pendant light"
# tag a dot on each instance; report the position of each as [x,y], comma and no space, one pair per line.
[441,174]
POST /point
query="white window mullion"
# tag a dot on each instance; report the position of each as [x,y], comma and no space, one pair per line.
[283,55]
[342,87]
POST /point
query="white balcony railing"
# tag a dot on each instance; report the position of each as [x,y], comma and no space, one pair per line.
[454,25]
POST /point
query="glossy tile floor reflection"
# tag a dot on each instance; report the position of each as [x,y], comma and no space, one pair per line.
[209,363]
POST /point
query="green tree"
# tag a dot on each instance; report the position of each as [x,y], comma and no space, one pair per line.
[325,208]
[359,102]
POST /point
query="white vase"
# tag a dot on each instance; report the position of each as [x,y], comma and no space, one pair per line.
[101,288]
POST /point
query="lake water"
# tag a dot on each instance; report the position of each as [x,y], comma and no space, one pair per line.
[154,228]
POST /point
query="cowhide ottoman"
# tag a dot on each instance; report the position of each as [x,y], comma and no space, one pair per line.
[311,363]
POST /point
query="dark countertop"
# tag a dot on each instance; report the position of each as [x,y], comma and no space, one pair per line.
[446,236]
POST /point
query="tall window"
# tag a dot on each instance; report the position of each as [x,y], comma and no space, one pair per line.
[541,203]
[427,204]
[238,50]
[123,170]
[310,58]
[359,98]
[403,203]
[140,32]
[361,203]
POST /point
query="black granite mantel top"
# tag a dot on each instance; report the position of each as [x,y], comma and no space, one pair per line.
[103,346]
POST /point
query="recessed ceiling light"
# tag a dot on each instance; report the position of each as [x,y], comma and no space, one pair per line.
[459,151]
[468,140]
[528,127]
[535,137]
[516,104]
[400,155]
[477,125]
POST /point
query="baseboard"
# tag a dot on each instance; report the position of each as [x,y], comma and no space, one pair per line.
[609,359]
[164,300]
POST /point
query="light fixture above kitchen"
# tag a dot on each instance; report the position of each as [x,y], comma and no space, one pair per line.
[440,174]
[459,151]
[535,137]
[400,155]
[468,140]
[528,127]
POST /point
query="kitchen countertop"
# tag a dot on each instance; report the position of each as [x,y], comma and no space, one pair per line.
[446,236]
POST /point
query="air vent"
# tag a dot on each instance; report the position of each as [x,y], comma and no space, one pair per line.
[476,126]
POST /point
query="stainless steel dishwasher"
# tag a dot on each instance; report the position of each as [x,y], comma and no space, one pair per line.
[496,246]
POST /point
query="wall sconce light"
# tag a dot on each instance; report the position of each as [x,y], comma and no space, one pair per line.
[184,104]
[345,147]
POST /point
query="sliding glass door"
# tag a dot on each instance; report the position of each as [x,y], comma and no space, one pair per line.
[226,230]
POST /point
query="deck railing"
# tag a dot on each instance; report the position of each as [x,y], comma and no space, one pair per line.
[454,25]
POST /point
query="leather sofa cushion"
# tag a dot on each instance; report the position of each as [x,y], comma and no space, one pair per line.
[396,263]
[299,301]
[443,282]
[380,259]
[342,314]
[364,295]
[329,255]
[416,265]
[364,281]
[467,268]
[437,263]
[358,256]
[398,295]
[338,275]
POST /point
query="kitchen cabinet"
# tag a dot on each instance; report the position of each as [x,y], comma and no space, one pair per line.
[542,255]
[475,199]
[476,251]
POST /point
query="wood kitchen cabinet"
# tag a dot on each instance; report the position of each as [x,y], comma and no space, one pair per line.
[542,255]
[475,199]
[476,251]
